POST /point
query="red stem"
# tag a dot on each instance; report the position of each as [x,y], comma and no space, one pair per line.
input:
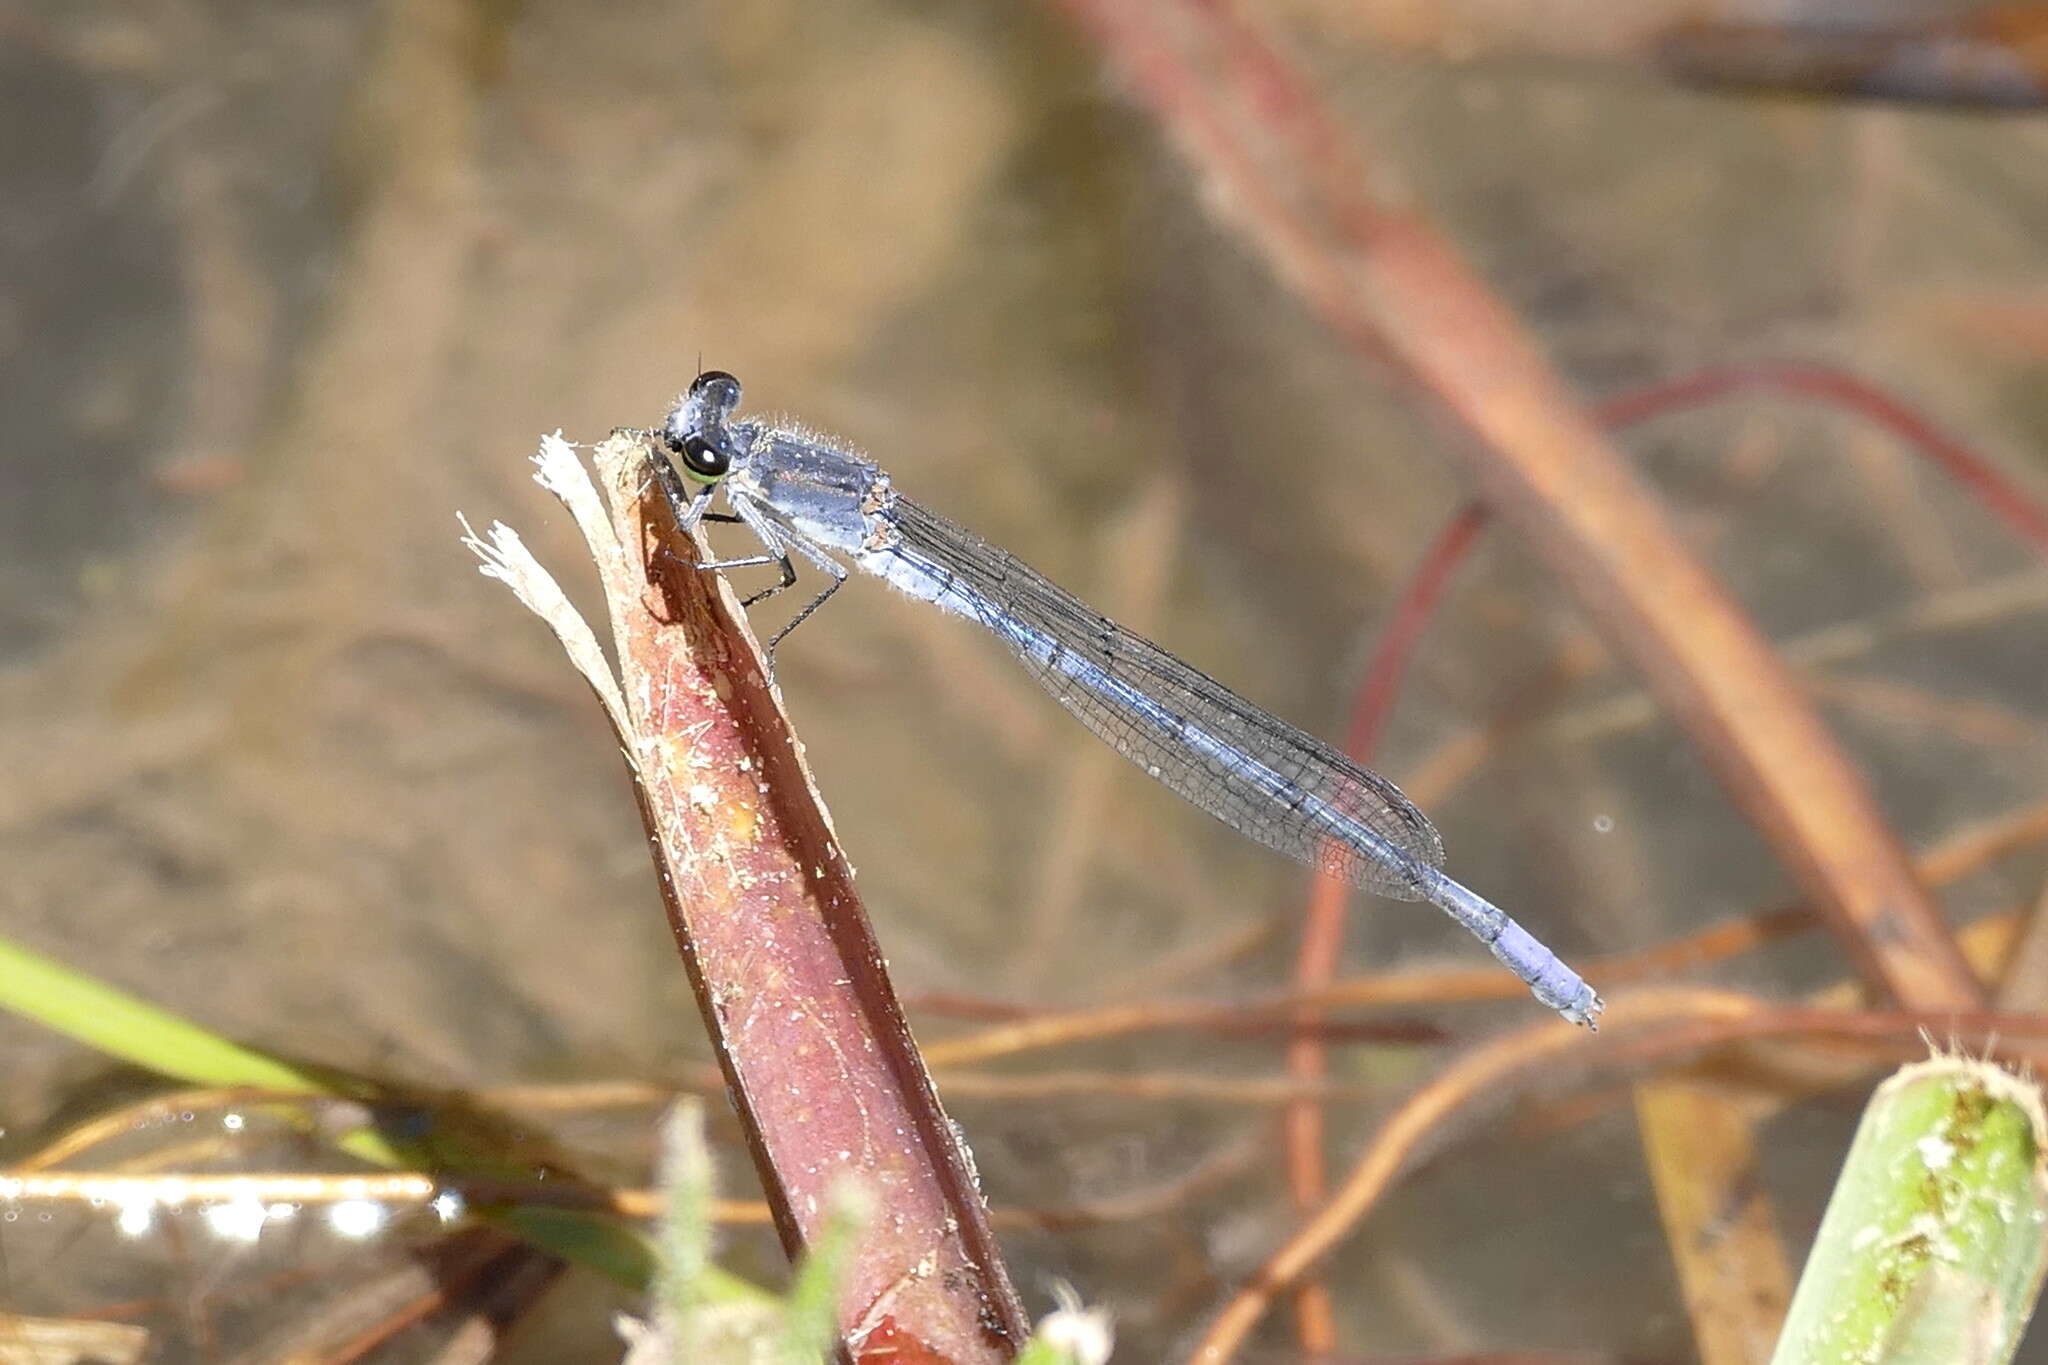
[2000,495]
[1323,920]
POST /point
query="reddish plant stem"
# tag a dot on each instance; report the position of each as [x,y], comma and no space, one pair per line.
[1985,57]
[1978,476]
[1415,604]
[823,1073]
[1322,931]
[1659,1026]
[1322,935]
[1414,607]
[1379,274]
[1382,279]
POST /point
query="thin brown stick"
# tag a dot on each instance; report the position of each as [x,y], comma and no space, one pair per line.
[1978,845]
[1322,932]
[1973,720]
[1728,1305]
[1720,1223]
[487,1293]
[1165,1087]
[1302,1125]
[123,1120]
[2023,982]
[1961,854]
[1456,759]
[1970,469]
[1384,280]
[1649,1026]
[416,1190]
[1979,477]
[1985,57]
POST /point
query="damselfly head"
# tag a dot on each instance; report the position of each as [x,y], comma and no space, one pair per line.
[717,390]
[696,432]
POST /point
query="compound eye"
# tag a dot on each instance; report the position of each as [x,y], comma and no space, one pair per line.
[704,461]
[717,387]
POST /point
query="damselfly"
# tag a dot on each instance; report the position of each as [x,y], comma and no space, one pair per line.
[802,495]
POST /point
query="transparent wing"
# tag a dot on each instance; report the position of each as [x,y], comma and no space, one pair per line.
[1246,767]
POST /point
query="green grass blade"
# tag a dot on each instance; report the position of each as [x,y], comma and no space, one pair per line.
[810,1311]
[131,1029]
[125,1026]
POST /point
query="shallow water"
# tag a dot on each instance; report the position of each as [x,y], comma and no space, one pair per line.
[286,285]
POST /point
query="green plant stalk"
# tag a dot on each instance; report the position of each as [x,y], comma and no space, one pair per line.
[1039,1351]
[809,1328]
[1932,1248]
[684,1237]
[131,1029]
[695,1302]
